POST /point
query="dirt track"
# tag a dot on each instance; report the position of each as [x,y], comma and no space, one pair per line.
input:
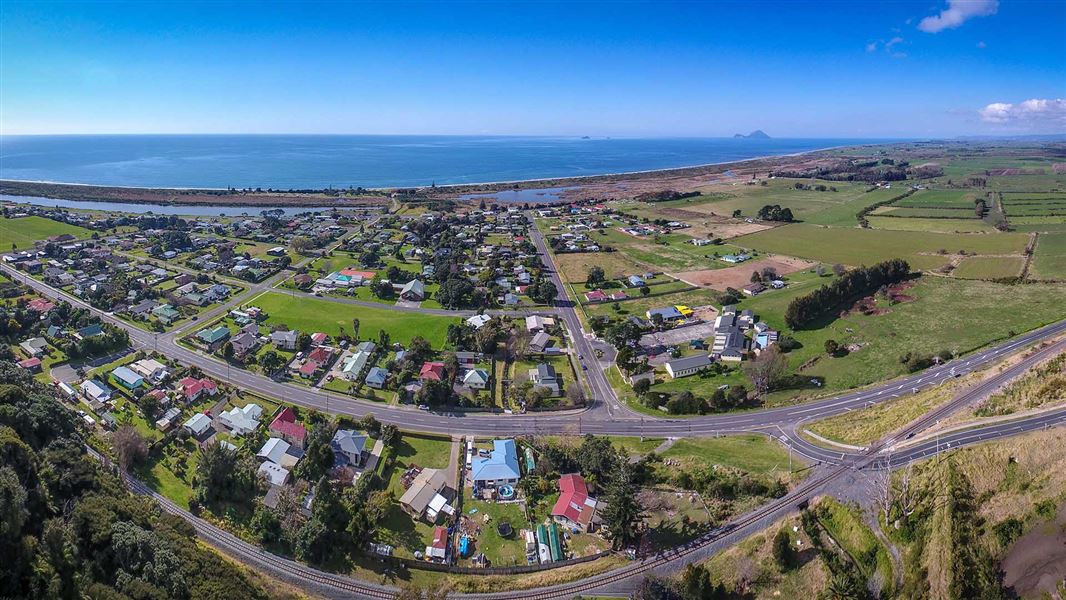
[740,275]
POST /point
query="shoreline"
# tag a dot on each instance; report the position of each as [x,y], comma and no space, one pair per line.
[191,196]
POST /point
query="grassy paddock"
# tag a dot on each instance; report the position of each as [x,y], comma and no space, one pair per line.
[24,231]
[307,314]
[1049,257]
[989,267]
[868,246]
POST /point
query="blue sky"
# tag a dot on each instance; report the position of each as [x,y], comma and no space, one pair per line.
[835,69]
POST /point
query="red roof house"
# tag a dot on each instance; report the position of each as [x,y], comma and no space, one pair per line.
[31,364]
[595,296]
[320,356]
[319,338]
[40,305]
[432,371]
[195,388]
[286,427]
[574,509]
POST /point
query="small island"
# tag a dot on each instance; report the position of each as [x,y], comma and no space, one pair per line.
[758,134]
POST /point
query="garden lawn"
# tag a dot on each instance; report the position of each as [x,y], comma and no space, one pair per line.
[311,315]
[23,231]
[500,551]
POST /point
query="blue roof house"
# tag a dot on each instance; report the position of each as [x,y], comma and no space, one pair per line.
[499,468]
[125,377]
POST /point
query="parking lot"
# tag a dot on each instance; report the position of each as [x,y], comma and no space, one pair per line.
[679,335]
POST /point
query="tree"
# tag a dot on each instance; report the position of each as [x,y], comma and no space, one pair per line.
[543,291]
[641,386]
[766,370]
[624,333]
[839,269]
[355,328]
[596,275]
[129,446]
[227,350]
[782,550]
[313,542]
[301,244]
[645,290]
[303,341]
[271,361]
[832,347]
[624,514]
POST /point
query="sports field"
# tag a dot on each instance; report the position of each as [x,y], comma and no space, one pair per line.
[311,315]
[23,231]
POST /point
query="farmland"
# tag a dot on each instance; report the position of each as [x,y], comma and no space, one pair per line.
[307,314]
[989,267]
[20,233]
[1049,257]
[945,314]
[856,246]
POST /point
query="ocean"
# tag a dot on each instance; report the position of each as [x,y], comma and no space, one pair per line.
[340,161]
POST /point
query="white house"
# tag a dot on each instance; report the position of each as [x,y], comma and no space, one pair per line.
[476,379]
[242,420]
[274,474]
[690,365]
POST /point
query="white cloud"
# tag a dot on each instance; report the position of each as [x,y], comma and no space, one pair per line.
[957,13]
[1034,111]
[871,47]
[982,45]
[893,42]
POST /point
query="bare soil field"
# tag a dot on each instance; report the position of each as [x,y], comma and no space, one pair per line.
[740,275]
[1036,563]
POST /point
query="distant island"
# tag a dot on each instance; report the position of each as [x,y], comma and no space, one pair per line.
[758,134]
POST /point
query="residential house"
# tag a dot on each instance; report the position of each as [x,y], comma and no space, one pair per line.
[32,364]
[198,424]
[273,473]
[413,291]
[635,281]
[95,391]
[213,338]
[194,389]
[668,314]
[34,347]
[348,448]
[166,314]
[376,377]
[575,509]
[476,379]
[426,486]
[499,468]
[165,422]
[539,342]
[432,371]
[353,365]
[753,289]
[595,296]
[286,427]
[280,452]
[535,323]
[243,343]
[127,378]
[544,376]
[284,340]
[242,420]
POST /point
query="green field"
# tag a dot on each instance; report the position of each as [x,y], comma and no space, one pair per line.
[20,233]
[311,314]
[672,252]
[938,213]
[946,313]
[856,246]
[1049,257]
[989,267]
[931,224]
[804,203]
[753,453]
[939,199]
[844,214]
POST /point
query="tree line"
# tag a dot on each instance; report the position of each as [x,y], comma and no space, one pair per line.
[804,310]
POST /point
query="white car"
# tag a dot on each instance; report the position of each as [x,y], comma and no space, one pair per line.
[423,407]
